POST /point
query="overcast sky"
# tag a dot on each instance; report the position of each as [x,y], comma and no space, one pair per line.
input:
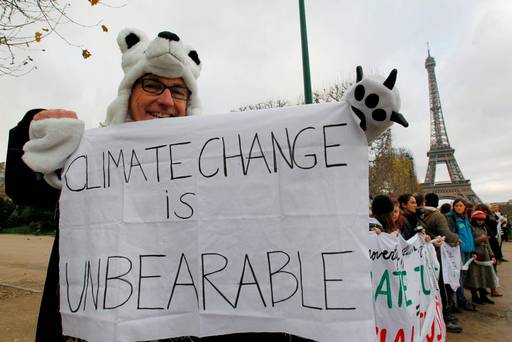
[251,53]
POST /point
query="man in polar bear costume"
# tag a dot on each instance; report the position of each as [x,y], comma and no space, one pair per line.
[160,81]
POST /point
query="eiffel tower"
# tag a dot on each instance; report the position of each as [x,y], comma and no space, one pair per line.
[440,150]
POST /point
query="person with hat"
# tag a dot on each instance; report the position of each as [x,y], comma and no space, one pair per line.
[480,276]
[160,81]
[491,228]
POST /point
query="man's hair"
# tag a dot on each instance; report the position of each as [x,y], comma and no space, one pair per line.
[445,208]
[431,200]
[420,199]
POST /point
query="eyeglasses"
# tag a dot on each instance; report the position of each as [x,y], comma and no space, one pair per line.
[156,87]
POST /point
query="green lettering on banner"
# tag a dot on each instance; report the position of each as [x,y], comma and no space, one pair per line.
[402,293]
[421,269]
[384,281]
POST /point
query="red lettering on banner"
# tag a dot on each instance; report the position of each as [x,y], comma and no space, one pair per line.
[430,337]
[439,319]
[382,334]
[400,337]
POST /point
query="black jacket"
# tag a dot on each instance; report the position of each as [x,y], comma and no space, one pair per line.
[27,187]
[410,224]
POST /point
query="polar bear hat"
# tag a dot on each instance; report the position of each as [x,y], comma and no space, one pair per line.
[164,56]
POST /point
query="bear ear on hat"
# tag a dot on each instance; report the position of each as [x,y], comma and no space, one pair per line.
[128,38]
[194,63]
[194,56]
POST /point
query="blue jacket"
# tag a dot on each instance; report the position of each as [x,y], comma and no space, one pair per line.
[461,226]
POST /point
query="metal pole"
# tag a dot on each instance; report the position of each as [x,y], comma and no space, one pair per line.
[305,55]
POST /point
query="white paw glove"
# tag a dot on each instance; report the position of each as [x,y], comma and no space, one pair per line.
[375,102]
[51,142]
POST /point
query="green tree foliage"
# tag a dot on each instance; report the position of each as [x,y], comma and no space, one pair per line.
[6,209]
[39,220]
[391,170]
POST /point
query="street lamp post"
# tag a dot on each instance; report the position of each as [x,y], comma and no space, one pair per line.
[305,55]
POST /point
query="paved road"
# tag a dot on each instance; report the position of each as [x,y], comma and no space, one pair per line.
[23,261]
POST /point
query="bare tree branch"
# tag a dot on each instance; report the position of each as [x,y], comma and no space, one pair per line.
[24,23]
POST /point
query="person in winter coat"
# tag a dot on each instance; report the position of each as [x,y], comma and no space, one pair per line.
[501,223]
[459,224]
[437,225]
[491,223]
[411,223]
[506,229]
[165,88]
[491,228]
[480,277]
[152,88]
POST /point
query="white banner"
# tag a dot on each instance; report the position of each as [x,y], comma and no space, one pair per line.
[217,224]
[405,291]
[451,259]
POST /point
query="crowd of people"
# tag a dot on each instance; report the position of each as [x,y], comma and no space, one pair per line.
[478,230]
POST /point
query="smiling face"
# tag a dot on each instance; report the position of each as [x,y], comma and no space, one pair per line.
[147,106]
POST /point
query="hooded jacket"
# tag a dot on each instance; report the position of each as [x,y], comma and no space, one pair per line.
[460,225]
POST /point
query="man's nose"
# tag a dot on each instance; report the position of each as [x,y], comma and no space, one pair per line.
[166,98]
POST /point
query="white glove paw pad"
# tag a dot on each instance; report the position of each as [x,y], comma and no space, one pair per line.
[375,103]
